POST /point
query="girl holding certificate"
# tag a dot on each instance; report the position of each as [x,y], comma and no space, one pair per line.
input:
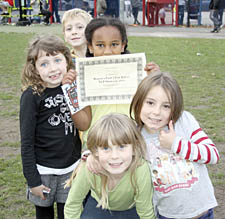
[124,188]
[105,36]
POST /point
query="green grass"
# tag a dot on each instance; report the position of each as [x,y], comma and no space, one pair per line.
[201,78]
[13,203]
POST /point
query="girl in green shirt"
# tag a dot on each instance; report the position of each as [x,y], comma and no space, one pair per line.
[123,189]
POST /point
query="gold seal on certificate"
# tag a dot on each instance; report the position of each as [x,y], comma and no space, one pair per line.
[109,79]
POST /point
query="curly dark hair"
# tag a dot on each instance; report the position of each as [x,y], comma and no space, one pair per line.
[101,22]
[50,44]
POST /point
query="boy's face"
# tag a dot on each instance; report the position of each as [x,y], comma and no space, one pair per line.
[74,32]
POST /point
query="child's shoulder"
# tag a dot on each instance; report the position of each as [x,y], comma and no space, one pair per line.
[186,114]
[84,174]
[186,118]
[83,169]
[28,92]
[143,167]
[143,172]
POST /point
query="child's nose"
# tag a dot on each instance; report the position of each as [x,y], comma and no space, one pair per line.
[114,154]
[156,110]
[108,50]
[52,66]
[74,32]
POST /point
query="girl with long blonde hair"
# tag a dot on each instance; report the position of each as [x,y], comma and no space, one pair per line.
[123,189]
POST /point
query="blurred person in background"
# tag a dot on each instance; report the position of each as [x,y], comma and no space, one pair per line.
[112,8]
[55,13]
[4,5]
[221,10]
[128,8]
[43,8]
[181,5]
[101,7]
[135,8]
[215,6]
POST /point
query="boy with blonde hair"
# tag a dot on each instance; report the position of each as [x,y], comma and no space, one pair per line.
[74,23]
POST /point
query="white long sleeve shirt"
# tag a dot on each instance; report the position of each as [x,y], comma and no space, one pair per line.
[182,187]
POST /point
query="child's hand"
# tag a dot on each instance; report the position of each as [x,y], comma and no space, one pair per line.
[93,165]
[69,77]
[38,191]
[166,138]
[150,67]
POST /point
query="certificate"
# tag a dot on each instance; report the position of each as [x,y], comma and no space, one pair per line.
[109,79]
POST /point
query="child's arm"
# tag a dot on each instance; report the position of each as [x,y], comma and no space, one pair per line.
[143,197]
[151,67]
[81,119]
[93,165]
[79,190]
[28,115]
[197,147]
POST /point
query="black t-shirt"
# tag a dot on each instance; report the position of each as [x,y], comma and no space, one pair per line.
[48,135]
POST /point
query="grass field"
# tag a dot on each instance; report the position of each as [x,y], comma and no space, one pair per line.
[197,64]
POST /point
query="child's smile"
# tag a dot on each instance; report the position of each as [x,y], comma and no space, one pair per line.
[116,159]
[74,32]
[155,110]
[155,121]
[51,68]
[55,76]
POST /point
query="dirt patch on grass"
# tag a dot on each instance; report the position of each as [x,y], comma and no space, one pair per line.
[9,152]
[9,131]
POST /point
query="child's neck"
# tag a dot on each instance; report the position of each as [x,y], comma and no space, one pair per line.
[80,51]
[114,180]
[154,131]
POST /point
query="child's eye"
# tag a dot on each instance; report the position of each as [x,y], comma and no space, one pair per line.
[149,102]
[44,64]
[58,60]
[115,44]
[68,29]
[80,27]
[105,148]
[100,45]
[167,106]
[122,146]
